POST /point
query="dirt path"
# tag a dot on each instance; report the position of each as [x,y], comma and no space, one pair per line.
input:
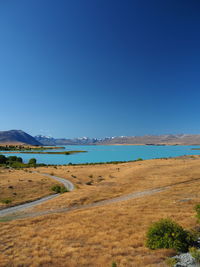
[80,207]
[31,204]
[96,204]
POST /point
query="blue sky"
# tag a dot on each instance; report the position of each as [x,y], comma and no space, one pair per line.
[99,67]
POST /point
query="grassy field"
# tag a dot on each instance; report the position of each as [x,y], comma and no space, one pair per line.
[107,234]
[19,186]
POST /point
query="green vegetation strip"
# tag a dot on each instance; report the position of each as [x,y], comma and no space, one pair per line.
[47,152]
[29,148]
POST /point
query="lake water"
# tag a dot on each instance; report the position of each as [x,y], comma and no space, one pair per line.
[111,153]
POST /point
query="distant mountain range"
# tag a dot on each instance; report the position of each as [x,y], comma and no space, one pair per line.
[20,137]
[181,139]
[47,140]
[17,137]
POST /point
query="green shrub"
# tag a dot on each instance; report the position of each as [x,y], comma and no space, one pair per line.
[56,188]
[59,189]
[197,209]
[15,159]
[195,253]
[17,165]
[168,234]
[32,161]
[6,201]
[63,189]
[114,264]
[3,159]
[89,183]
[171,261]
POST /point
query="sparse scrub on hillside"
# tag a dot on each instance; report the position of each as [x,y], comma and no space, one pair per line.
[168,234]
[20,187]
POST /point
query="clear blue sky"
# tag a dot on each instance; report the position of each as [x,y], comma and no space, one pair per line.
[99,67]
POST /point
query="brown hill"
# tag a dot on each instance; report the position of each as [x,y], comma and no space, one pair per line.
[16,137]
[182,139]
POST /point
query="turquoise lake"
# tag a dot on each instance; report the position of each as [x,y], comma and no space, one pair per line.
[111,153]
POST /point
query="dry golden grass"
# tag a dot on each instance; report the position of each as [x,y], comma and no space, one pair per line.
[19,186]
[112,233]
[112,180]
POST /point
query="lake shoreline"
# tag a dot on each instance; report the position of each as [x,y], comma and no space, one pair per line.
[47,152]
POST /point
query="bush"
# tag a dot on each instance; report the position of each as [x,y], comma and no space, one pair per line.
[195,253]
[171,261]
[168,234]
[6,201]
[32,161]
[19,159]
[14,158]
[3,159]
[89,183]
[17,165]
[59,189]
[197,209]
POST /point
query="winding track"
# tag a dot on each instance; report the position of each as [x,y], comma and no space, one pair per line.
[31,204]
[70,187]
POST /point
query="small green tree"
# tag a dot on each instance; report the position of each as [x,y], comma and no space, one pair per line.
[12,158]
[32,161]
[168,234]
[3,159]
[18,159]
[59,189]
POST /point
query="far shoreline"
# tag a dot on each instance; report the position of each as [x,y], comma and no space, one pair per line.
[170,144]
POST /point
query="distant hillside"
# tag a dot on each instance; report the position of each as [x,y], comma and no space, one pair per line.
[170,139]
[181,139]
[17,137]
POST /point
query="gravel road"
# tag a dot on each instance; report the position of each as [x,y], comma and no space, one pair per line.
[70,186]
[31,204]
